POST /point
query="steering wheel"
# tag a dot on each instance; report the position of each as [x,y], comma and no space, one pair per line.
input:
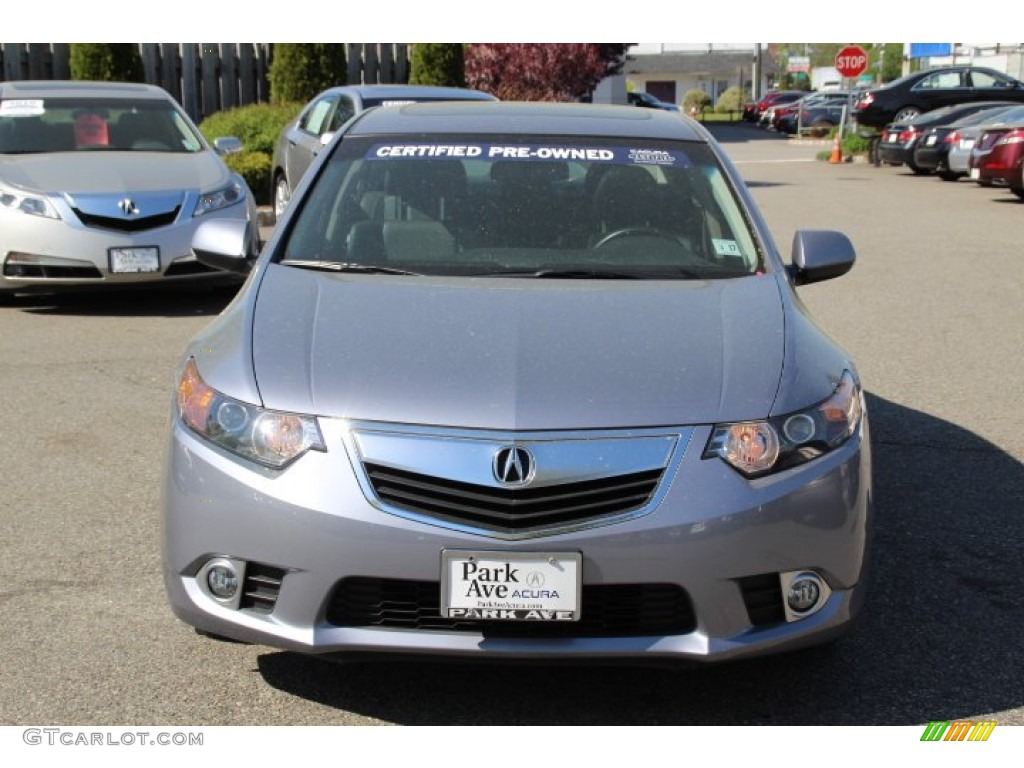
[634,232]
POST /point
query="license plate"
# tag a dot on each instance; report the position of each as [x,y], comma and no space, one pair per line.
[505,586]
[127,260]
[930,140]
[975,174]
[967,143]
[894,138]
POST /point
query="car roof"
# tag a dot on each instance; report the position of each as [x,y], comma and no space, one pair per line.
[62,89]
[526,118]
[395,91]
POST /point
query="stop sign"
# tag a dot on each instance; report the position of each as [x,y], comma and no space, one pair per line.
[851,61]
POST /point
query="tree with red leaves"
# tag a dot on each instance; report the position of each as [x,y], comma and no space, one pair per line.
[541,71]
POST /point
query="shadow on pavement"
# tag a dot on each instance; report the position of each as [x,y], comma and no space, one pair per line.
[939,638]
[725,133]
[182,301]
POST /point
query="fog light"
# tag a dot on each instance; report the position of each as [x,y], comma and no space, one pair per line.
[221,579]
[804,592]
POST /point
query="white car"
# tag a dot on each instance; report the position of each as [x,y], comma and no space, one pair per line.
[104,184]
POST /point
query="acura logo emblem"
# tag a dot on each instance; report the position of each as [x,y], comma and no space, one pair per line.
[513,465]
[128,207]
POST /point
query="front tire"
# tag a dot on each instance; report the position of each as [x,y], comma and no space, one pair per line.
[949,175]
[1018,191]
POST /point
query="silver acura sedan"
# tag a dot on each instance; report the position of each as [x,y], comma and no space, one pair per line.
[104,184]
[519,381]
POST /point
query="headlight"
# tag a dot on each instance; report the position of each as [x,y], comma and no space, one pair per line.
[760,447]
[222,198]
[33,205]
[271,438]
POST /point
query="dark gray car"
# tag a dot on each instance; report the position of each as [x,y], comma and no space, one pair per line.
[303,138]
[519,381]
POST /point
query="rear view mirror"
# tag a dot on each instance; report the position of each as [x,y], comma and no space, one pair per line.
[820,254]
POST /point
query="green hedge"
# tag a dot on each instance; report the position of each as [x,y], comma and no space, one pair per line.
[109,62]
[437,64]
[254,167]
[257,125]
[299,71]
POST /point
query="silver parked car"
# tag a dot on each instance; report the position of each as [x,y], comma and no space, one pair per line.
[104,184]
[519,381]
[303,138]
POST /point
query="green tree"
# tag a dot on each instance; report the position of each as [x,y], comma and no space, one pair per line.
[695,99]
[886,61]
[299,71]
[731,100]
[438,64]
[117,62]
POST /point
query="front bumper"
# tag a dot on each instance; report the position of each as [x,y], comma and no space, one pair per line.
[44,254]
[312,525]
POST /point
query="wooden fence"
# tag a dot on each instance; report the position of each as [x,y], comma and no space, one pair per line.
[206,77]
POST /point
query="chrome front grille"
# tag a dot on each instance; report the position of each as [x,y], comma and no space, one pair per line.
[140,224]
[514,485]
[510,510]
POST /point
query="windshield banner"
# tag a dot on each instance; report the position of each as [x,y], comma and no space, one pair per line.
[531,152]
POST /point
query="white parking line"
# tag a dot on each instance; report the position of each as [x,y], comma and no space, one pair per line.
[791,160]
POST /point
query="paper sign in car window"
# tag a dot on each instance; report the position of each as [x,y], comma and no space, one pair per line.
[726,247]
[396,102]
[21,108]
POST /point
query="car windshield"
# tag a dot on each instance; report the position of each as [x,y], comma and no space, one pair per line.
[29,125]
[540,206]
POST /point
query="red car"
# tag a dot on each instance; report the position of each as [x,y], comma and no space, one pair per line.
[998,158]
[755,110]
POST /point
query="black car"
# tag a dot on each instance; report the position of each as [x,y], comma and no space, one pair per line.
[641,99]
[906,98]
[899,139]
[932,149]
[818,114]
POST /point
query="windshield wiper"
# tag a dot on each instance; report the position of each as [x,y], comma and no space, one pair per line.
[566,274]
[672,273]
[345,266]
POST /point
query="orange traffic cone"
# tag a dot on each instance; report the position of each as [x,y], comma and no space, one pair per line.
[837,151]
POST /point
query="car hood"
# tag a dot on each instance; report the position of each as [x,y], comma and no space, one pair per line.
[114,172]
[517,354]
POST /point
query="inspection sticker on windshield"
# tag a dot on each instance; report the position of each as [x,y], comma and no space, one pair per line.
[511,586]
[726,247]
[21,108]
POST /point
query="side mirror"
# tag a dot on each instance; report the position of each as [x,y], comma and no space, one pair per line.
[226,244]
[227,145]
[820,254]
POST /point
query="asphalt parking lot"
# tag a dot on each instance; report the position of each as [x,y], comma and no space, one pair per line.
[932,312]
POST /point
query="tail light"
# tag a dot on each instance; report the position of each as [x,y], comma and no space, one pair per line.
[952,138]
[908,134]
[866,100]
[1012,137]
